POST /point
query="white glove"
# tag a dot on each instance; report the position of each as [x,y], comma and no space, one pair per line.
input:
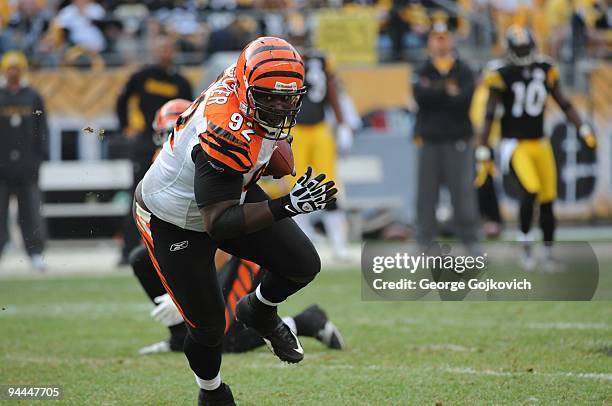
[482,153]
[166,312]
[309,194]
[586,132]
[344,138]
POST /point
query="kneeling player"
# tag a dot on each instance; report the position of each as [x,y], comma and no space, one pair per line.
[200,194]
[237,278]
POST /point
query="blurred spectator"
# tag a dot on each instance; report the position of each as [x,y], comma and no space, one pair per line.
[559,13]
[234,36]
[443,90]
[183,24]
[507,13]
[145,92]
[23,134]
[78,20]
[590,25]
[26,27]
[407,27]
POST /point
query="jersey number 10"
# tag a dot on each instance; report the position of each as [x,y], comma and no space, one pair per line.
[529,98]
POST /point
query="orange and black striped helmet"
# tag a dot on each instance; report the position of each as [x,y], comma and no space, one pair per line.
[270,76]
[166,117]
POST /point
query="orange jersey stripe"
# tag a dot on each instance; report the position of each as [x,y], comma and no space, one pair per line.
[233,163]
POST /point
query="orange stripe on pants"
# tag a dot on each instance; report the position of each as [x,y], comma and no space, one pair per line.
[148,241]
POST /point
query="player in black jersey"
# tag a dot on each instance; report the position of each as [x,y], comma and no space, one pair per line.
[521,83]
[314,143]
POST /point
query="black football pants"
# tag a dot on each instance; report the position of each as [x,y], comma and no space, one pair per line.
[184,260]
[238,338]
[31,222]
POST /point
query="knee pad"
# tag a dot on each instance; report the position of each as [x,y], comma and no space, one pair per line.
[209,336]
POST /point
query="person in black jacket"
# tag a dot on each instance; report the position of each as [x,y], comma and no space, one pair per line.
[147,90]
[443,90]
[23,134]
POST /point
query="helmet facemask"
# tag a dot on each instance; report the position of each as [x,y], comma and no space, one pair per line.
[521,48]
[522,55]
[275,109]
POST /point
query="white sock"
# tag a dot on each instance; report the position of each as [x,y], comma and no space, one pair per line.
[526,240]
[209,384]
[291,323]
[524,237]
[548,252]
[263,299]
[303,221]
[337,230]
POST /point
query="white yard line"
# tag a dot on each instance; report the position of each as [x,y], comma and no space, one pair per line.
[535,325]
[97,362]
[584,375]
[444,347]
[85,308]
[451,370]
[74,309]
[568,326]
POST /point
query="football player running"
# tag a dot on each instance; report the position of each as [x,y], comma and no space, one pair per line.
[237,278]
[201,194]
[521,83]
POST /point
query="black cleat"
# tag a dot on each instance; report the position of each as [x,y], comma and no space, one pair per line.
[221,396]
[278,336]
[315,323]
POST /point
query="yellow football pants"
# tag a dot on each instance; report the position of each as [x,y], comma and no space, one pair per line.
[314,145]
[534,164]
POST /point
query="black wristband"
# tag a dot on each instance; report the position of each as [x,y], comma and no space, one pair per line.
[277,207]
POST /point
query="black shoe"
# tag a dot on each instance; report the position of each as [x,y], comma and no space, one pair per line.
[221,396]
[277,335]
[313,322]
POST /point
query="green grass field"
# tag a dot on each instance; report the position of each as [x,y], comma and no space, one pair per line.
[84,333]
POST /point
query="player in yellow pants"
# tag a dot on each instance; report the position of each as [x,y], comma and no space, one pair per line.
[315,145]
[533,164]
[522,82]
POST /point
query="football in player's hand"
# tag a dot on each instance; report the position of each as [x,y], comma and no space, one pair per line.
[281,163]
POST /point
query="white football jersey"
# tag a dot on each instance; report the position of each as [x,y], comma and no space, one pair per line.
[215,123]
